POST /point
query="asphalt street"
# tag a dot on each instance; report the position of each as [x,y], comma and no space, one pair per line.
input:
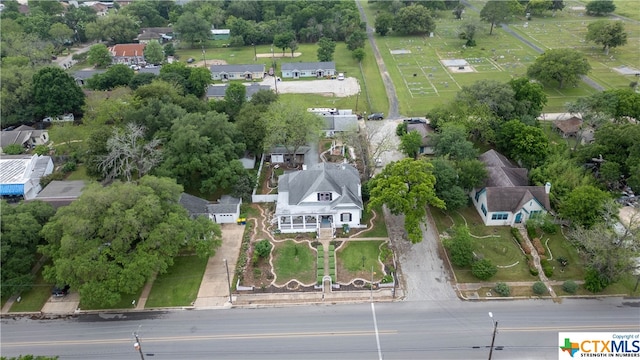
[407,330]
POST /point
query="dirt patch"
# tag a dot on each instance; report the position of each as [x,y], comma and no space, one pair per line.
[207,63]
[279,55]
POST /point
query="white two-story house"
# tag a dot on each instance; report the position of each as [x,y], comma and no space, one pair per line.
[324,196]
[506,197]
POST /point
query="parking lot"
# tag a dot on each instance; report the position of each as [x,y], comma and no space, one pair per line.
[339,88]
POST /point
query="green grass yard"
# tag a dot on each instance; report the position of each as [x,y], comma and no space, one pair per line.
[180,285]
[379,228]
[34,298]
[293,260]
[358,258]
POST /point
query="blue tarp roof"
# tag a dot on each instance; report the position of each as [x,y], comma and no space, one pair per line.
[11,189]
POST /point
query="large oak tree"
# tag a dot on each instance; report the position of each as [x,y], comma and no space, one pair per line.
[113,239]
[561,66]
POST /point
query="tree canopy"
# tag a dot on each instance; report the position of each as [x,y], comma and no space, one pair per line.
[20,228]
[526,144]
[406,187]
[99,55]
[600,7]
[584,206]
[609,34]
[326,48]
[112,239]
[154,53]
[192,28]
[56,93]
[414,19]
[291,126]
[496,12]
[561,66]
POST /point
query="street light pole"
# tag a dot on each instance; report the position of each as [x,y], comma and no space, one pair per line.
[371,283]
[255,53]
[137,345]
[493,338]
[275,73]
[228,280]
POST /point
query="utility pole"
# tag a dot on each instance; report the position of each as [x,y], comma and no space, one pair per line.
[371,283]
[204,58]
[137,345]
[275,73]
[493,338]
[226,265]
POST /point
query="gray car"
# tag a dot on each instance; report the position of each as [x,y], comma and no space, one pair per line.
[376,116]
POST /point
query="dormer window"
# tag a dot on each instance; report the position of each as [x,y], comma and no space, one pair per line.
[324,196]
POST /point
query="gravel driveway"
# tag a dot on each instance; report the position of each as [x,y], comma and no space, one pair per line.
[340,88]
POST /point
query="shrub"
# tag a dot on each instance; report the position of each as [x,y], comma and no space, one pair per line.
[483,269]
[263,248]
[570,286]
[80,56]
[594,281]
[385,253]
[387,279]
[549,227]
[45,180]
[539,288]
[401,129]
[68,167]
[13,149]
[533,271]
[503,289]
[547,267]
[531,229]
[41,150]
[460,247]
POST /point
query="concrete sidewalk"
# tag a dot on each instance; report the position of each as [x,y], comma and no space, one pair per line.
[214,288]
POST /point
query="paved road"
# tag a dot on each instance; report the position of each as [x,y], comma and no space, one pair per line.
[67,61]
[526,330]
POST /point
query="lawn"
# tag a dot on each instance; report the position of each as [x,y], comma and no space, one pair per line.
[293,260]
[355,259]
[80,173]
[379,228]
[180,285]
[561,247]
[35,298]
[624,286]
[124,303]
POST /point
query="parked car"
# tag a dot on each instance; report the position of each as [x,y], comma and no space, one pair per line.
[376,116]
[190,60]
[415,121]
[341,76]
[59,291]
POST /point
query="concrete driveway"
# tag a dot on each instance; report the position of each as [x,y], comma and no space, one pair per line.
[214,288]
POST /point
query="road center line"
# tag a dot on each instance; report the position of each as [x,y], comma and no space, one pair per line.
[375,326]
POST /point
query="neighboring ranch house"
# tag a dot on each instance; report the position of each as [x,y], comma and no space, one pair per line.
[82,76]
[336,121]
[160,34]
[220,34]
[323,196]
[227,210]
[237,72]
[308,69]
[217,92]
[20,175]
[25,136]
[425,131]
[506,198]
[281,154]
[128,54]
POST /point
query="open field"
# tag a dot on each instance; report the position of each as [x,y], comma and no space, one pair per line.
[423,82]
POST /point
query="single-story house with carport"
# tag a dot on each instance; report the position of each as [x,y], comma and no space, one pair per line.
[20,175]
[226,211]
[25,136]
[324,196]
[337,121]
[281,154]
[308,69]
[61,193]
[506,198]
[568,128]
[217,92]
[237,72]
[160,34]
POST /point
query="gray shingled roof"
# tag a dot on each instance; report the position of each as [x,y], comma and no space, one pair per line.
[86,74]
[502,172]
[195,206]
[425,130]
[325,65]
[220,90]
[150,70]
[569,126]
[324,177]
[513,199]
[61,193]
[227,204]
[239,68]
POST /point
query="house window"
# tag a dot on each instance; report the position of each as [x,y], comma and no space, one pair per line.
[477,196]
[500,216]
[324,196]
[345,217]
[484,209]
[534,213]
